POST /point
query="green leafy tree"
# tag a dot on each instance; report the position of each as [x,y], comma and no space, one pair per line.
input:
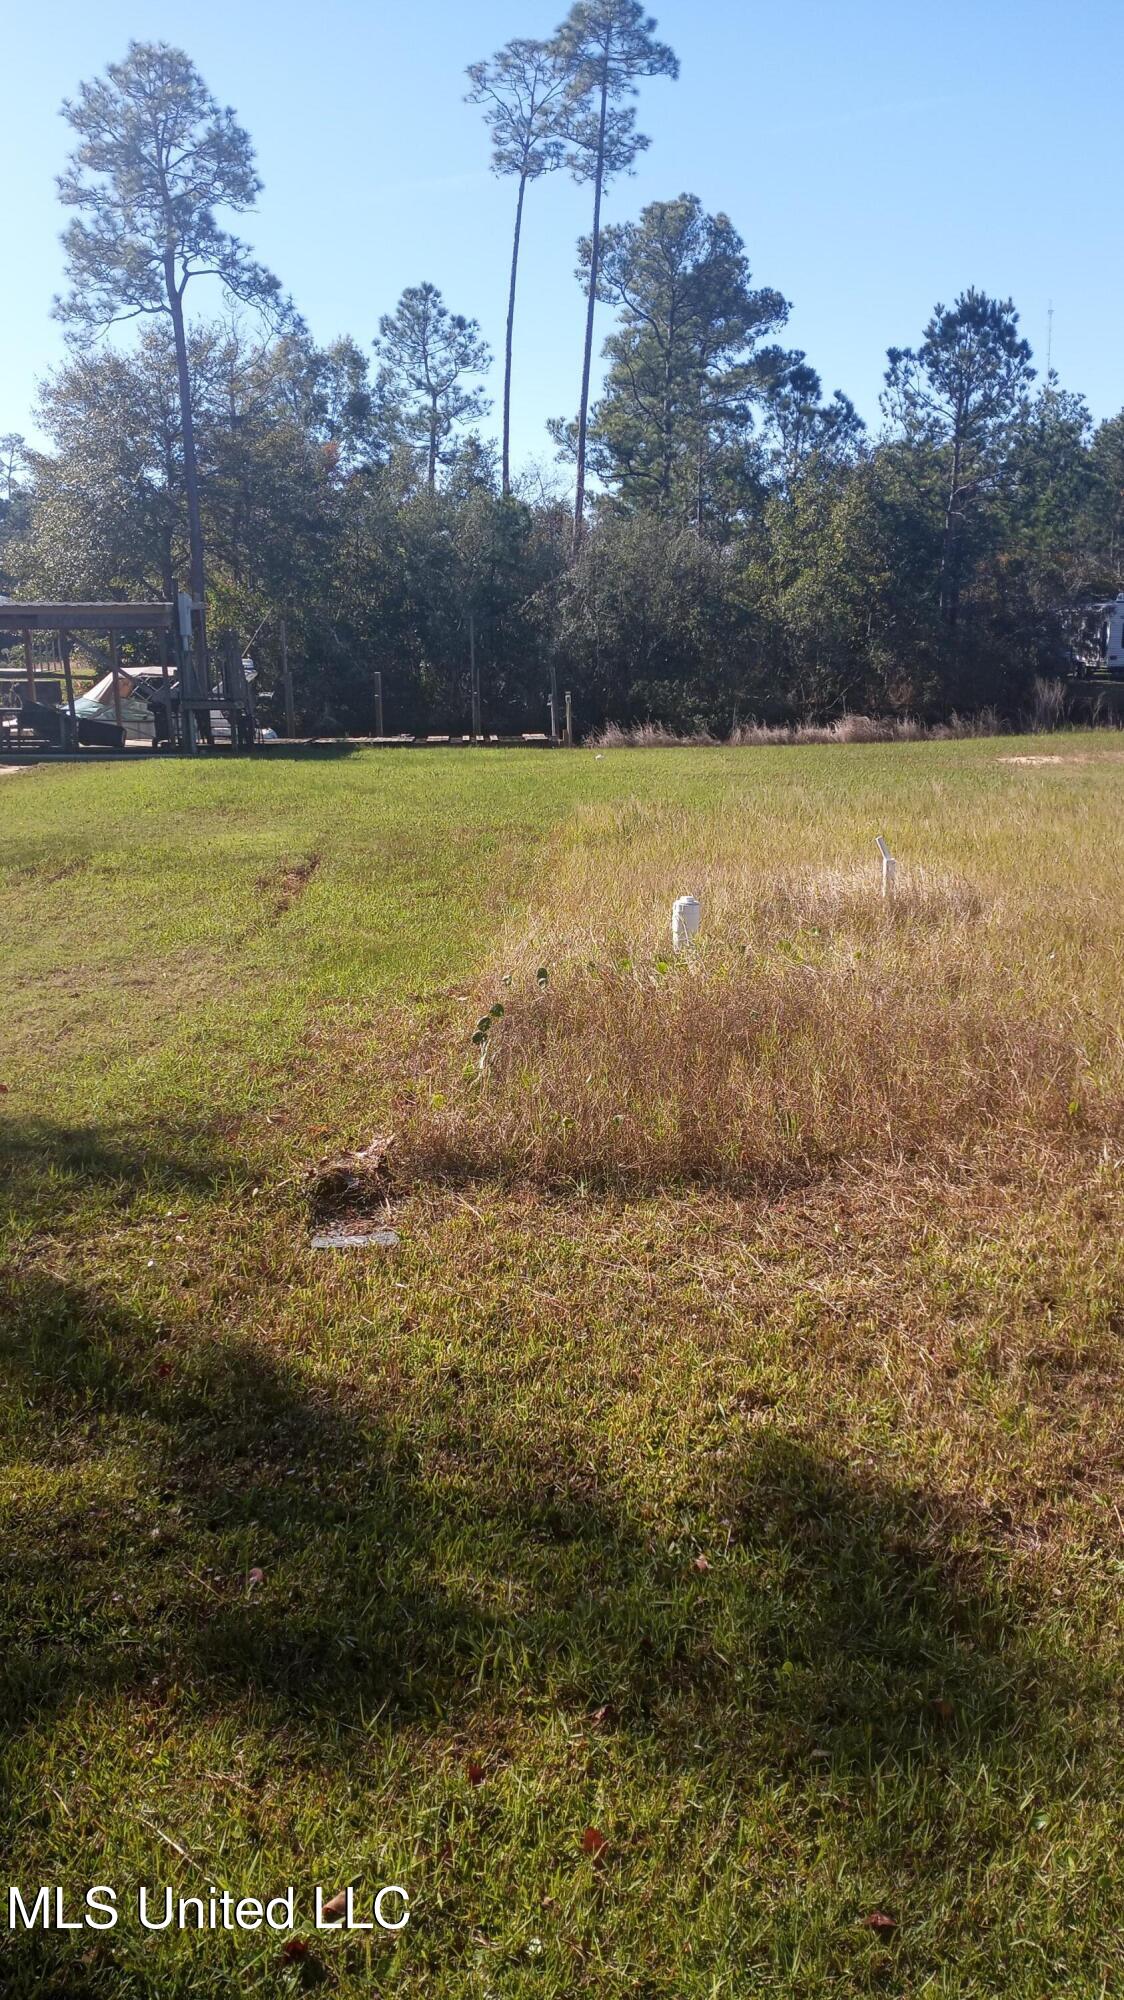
[960,393]
[683,375]
[11,460]
[651,623]
[472,468]
[798,424]
[14,501]
[522,93]
[605,47]
[155,158]
[427,352]
[109,516]
[275,465]
[1041,565]
[1043,501]
[1103,524]
[492,570]
[345,406]
[839,568]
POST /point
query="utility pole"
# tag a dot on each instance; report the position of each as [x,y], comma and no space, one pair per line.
[553,702]
[287,683]
[379,726]
[569,721]
[474,671]
[186,668]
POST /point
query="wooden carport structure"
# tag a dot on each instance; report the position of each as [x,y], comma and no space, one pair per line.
[182,655]
[65,619]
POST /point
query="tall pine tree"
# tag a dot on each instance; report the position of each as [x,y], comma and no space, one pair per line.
[155,158]
[522,92]
[605,46]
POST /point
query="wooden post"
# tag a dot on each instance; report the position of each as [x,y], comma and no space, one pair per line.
[474,671]
[169,646]
[287,684]
[29,662]
[379,727]
[186,671]
[115,664]
[64,648]
[569,721]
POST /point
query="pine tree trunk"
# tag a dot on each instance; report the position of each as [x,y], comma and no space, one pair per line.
[665,472]
[432,470]
[948,579]
[187,425]
[508,337]
[587,363]
[167,574]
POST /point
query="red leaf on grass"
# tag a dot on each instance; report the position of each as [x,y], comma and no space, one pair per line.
[879,1921]
[474,1772]
[593,1841]
[336,1906]
[942,1709]
[295,1947]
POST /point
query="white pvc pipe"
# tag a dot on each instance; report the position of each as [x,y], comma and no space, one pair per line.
[686,916]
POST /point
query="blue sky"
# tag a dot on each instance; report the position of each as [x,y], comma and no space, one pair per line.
[876,157]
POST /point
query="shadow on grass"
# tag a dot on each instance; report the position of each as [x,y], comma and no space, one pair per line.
[419,1558]
[47,1167]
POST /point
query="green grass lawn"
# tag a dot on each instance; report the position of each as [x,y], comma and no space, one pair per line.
[659,1581]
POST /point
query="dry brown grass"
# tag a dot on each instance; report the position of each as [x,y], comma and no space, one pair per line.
[768,735]
[848,729]
[644,736]
[812,1023]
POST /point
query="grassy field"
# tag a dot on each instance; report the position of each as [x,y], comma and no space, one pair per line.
[690,1562]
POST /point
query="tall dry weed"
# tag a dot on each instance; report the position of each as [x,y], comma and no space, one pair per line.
[847,728]
[813,1021]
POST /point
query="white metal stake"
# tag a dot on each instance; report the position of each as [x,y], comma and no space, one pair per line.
[889,867]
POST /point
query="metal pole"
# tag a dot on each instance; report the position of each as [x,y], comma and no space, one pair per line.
[287,683]
[475,678]
[186,672]
[569,721]
[379,728]
[202,650]
[169,645]
[29,662]
[553,703]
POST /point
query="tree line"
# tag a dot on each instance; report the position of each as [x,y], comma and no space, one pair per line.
[747,548]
